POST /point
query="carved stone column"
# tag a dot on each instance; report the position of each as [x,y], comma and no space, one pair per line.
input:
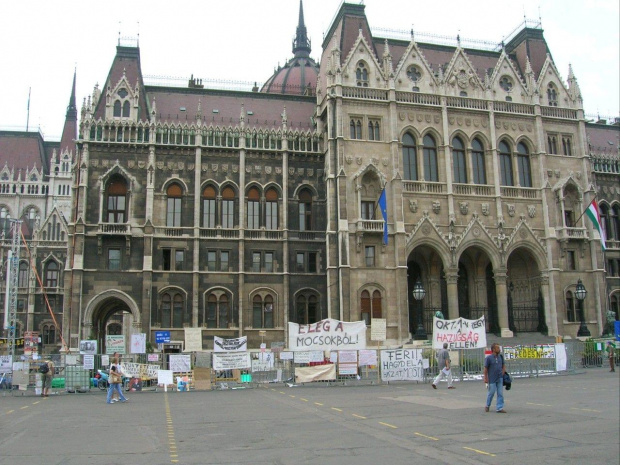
[452,276]
[502,302]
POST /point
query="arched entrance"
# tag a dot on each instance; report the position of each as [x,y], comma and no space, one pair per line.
[526,311]
[476,288]
[425,263]
[107,313]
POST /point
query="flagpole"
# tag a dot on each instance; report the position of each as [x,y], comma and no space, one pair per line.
[584,212]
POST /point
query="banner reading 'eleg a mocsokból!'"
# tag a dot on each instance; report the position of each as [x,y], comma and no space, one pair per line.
[459,334]
[327,334]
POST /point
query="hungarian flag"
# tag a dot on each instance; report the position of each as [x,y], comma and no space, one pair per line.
[594,215]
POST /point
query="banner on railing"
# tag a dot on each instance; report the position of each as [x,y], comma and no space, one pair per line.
[231,361]
[459,334]
[327,334]
[401,365]
[239,344]
[529,351]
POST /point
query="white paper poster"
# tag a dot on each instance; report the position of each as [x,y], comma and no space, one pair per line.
[368,358]
[115,344]
[164,377]
[89,362]
[402,365]
[459,334]
[88,347]
[327,334]
[239,344]
[193,339]
[231,361]
[138,343]
[560,357]
[179,362]
[6,362]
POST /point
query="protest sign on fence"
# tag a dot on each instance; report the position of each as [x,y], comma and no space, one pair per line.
[231,361]
[238,344]
[459,334]
[401,365]
[327,334]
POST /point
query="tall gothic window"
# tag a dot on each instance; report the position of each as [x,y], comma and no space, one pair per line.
[458,161]
[523,165]
[262,312]
[371,307]
[271,209]
[477,159]
[552,95]
[51,274]
[117,200]
[172,305]
[219,311]
[228,208]
[430,159]
[305,210]
[253,208]
[356,128]
[361,75]
[173,206]
[307,308]
[208,207]
[410,158]
[505,164]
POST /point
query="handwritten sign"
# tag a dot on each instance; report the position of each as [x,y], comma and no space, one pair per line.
[378,329]
[115,344]
[179,362]
[459,334]
[238,344]
[327,334]
[138,343]
[368,358]
[401,365]
[193,339]
[309,356]
[529,351]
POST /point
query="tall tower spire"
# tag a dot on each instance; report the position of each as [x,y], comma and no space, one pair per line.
[72,108]
[301,43]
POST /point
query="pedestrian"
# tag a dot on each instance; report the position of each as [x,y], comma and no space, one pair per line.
[116,360]
[114,380]
[611,350]
[443,363]
[47,378]
[494,369]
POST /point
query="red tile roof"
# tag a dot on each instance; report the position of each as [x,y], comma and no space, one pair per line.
[21,150]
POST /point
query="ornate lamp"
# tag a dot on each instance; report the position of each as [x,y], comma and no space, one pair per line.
[418,295]
[580,294]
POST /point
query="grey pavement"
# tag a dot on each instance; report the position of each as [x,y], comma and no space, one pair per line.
[552,420]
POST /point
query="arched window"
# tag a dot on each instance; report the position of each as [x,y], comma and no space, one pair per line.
[172,305]
[174,195]
[361,75]
[371,308]
[505,164]
[51,274]
[523,165]
[307,308]
[117,200]
[253,208]
[271,209]
[615,305]
[305,210]
[373,130]
[570,307]
[22,280]
[126,107]
[356,128]
[477,160]
[614,215]
[262,312]
[430,159]
[552,142]
[48,334]
[208,207]
[219,311]
[552,95]
[410,158]
[228,208]
[458,161]
[117,108]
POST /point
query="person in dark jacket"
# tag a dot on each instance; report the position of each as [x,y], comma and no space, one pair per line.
[494,369]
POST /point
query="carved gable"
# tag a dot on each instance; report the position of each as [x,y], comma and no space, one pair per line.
[461,78]
[506,84]
[361,67]
[413,73]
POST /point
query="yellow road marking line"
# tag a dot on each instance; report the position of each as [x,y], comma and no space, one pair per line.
[387,424]
[35,403]
[337,409]
[281,392]
[480,451]
[305,400]
[22,408]
[291,396]
[318,403]
[585,409]
[359,416]
[541,405]
[10,411]
[427,437]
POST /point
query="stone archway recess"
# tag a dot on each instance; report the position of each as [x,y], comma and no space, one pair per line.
[95,304]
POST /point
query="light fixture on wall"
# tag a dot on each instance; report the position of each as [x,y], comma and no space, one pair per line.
[418,294]
[580,294]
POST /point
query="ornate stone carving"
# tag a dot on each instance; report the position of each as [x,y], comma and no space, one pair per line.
[358,160]
[413,206]
[511,209]
[426,229]
[349,159]
[531,210]
[485,209]
[464,207]
[436,206]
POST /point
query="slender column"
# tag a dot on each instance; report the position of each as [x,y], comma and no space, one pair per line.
[550,319]
[502,303]
[452,277]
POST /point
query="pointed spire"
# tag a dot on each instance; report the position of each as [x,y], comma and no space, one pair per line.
[301,43]
[72,108]
[573,86]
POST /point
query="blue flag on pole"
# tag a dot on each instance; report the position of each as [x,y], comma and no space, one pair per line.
[383,207]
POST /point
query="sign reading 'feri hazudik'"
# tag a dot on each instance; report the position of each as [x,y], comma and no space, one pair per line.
[327,334]
[459,334]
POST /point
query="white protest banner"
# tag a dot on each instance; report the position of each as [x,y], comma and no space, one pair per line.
[529,351]
[560,357]
[286,355]
[309,356]
[164,377]
[193,339]
[138,343]
[239,344]
[327,334]
[6,362]
[115,344]
[179,362]
[315,373]
[368,358]
[264,362]
[347,356]
[459,333]
[401,365]
[231,361]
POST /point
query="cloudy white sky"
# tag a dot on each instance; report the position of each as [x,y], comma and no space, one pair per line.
[243,40]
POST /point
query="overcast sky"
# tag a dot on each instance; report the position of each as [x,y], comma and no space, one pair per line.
[43,41]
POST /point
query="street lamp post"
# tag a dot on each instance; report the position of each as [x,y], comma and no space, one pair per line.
[418,295]
[580,293]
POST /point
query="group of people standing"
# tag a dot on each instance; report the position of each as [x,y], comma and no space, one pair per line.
[494,371]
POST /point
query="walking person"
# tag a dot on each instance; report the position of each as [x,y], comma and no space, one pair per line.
[443,363]
[114,380]
[116,360]
[494,369]
[611,349]
[47,375]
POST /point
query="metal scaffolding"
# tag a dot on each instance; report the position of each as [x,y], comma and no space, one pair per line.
[12,280]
